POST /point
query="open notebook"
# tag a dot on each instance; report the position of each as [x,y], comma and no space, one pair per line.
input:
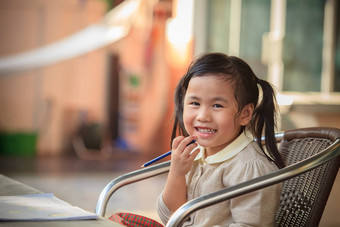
[39,207]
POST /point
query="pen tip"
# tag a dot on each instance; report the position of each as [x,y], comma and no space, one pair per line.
[142,166]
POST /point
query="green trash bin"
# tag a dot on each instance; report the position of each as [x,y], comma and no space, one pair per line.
[18,143]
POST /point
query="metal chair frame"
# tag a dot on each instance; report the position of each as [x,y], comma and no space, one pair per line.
[330,154]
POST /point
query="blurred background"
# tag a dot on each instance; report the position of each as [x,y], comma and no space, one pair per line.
[88,84]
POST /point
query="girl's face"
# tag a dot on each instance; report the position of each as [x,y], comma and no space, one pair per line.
[210,110]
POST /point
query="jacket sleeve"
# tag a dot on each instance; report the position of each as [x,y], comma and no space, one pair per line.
[163,211]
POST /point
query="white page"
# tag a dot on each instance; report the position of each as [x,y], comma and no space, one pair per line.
[39,207]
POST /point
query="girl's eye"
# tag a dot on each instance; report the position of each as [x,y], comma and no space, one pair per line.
[195,104]
[217,106]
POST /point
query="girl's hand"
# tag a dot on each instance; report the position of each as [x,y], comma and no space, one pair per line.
[183,155]
[175,191]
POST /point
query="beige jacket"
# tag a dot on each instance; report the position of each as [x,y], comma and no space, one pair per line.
[244,161]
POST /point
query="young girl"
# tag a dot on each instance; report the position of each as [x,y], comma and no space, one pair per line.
[217,103]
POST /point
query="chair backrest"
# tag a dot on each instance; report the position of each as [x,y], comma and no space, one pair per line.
[304,197]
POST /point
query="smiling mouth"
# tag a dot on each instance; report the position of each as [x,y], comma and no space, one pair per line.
[206,130]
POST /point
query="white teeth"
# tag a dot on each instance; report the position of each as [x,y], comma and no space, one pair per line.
[206,130]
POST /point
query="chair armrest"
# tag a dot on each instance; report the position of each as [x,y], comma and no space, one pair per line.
[136,176]
[332,152]
[126,179]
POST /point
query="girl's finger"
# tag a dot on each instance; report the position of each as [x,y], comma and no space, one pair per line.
[194,153]
[189,149]
[176,142]
[185,143]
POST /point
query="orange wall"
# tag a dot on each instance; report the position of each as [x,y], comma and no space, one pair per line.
[50,99]
[71,85]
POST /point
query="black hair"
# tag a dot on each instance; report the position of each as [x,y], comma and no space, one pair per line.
[246,91]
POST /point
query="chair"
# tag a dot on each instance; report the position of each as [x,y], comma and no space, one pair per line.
[312,156]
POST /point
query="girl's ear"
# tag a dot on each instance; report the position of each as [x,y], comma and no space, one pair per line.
[246,114]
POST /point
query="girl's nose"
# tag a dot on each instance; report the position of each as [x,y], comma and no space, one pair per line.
[203,115]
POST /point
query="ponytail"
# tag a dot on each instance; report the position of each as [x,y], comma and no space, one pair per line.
[264,118]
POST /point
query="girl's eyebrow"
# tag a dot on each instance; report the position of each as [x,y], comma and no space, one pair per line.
[219,99]
[215,99]
[193,97]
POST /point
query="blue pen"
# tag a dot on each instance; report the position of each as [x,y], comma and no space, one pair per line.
[160,157]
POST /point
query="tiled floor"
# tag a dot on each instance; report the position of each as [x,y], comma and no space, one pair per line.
[80,182]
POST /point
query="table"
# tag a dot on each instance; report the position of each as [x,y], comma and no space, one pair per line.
[9,187]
